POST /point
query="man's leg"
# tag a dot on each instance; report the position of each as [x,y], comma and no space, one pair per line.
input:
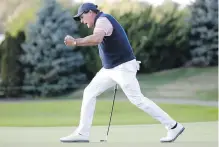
[99,84]
[130,86]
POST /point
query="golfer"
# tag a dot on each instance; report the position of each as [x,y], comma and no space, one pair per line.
[119,67]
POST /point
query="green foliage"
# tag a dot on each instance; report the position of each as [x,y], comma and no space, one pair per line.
[123,6]
[16,14]
[11,70]
[204,33]
[167,7]
[21,21]
[158,43]
[50,67]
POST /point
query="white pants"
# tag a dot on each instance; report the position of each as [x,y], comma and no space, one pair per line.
[125,76]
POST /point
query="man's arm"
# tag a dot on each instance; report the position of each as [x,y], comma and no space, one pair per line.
[91,40]
[103,28]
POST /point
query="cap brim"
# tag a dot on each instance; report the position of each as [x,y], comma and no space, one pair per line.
[77,17]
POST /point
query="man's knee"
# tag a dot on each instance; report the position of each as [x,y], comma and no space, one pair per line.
[87,92]
[140,101]
[90,92]
[126,86]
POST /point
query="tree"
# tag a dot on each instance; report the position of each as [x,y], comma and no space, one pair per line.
[50,67]
[11,70]
[159,43]
[204,33]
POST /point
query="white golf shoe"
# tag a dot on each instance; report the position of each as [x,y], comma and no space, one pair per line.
[172,134]
[75,137]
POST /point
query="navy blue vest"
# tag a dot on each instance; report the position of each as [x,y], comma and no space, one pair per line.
[114,49]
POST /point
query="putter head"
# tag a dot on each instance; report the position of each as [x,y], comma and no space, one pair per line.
[103,140]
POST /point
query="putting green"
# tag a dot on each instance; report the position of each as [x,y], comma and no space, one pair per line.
[200,134]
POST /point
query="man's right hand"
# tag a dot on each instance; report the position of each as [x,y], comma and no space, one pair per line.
[69,41]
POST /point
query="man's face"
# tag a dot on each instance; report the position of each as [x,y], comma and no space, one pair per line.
[88,19]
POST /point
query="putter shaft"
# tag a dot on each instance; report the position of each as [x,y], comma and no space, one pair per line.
[115,90]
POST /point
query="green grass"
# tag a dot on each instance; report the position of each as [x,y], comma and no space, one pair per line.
[188,83]
[168,76]
[208,94]
[66,113]
[182,83]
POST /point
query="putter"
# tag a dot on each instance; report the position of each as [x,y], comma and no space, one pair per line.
[105,140]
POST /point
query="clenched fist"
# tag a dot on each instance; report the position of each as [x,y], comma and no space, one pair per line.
[69,41]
